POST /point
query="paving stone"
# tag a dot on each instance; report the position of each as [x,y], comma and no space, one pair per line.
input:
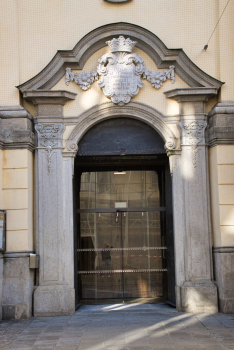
[93,328]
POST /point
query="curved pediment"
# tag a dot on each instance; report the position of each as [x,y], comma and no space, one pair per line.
[96,39]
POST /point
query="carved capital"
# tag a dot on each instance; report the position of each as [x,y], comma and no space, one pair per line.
[49,136]
[193,133]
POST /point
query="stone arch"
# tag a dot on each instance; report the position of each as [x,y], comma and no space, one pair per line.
[96,39]
[134,110]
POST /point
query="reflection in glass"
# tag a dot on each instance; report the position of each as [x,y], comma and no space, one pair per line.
[121,255]
[104,189]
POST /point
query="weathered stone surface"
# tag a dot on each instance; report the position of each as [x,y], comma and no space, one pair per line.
[18,281]
[221,124]
[1,282]
[16,128]
[195,291]
[54,300]
[121,327]
[199,297]
[224,275]
[55,293]
[49,103]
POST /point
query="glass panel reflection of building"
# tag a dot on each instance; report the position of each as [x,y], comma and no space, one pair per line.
[131,240]
[104,189]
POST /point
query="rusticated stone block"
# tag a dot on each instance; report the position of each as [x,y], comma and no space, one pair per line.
[224,275]
[18,281]
[199,297]
[54,300]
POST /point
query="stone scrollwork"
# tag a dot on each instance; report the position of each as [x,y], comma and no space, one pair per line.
[72,146]
[119,73]
[193,134]
[171,143]
[48,137]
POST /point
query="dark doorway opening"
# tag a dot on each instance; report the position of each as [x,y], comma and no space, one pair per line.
[124,246]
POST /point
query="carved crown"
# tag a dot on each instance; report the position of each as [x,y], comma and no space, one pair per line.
[121,44]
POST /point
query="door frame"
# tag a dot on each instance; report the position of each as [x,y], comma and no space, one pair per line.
[165,193]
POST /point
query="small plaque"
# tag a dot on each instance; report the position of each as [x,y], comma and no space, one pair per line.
[119,205]
[2,230]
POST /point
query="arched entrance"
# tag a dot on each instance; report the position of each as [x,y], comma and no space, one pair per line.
[58,138]
[124,244]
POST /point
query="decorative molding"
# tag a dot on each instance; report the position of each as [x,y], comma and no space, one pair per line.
[193,134]
[49,137]
[14,112]
[223,249]
[18,254]
[223,107]
[119,73]
[194,94]
[95,40]
[133,110]
[57,97]
[16,128]
[221,124]
[174,159]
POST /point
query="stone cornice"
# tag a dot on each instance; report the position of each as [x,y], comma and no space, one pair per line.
[14,112]
[16,128]
[96,39]
[194,94]
[221,124]
[57,97]
[225,107]
[223,249]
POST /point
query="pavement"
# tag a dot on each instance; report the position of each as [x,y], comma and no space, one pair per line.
[121,327]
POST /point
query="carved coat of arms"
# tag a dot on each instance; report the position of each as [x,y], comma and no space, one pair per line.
[119,73]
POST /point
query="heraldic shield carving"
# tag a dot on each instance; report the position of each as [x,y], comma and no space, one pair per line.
[119,73]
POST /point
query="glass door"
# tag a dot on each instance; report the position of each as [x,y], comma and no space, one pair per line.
[121,250]
[100,256]
[144,264]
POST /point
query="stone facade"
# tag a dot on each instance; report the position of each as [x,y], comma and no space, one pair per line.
[44,119]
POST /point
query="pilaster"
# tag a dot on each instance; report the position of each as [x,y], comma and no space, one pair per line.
[196,291]
[55,293]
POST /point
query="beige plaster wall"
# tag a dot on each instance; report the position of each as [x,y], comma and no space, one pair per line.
[17,189]
[222,194]
[32,32]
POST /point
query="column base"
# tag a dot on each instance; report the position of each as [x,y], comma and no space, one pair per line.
[54,301]
[224,276]
[17,286]
[196,297]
